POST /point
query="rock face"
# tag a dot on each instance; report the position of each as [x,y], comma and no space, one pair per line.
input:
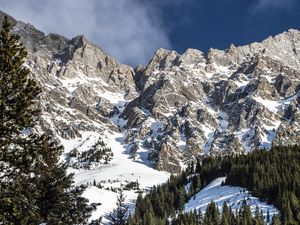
[219,102]
[178,107]
[79,82]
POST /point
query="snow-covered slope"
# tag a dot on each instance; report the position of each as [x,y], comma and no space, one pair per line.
[233,196]
[120,171]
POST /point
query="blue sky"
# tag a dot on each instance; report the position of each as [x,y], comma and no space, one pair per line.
[218,23]
[132,30]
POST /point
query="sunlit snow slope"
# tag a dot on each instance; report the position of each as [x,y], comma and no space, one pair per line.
[120,170]
[233,196]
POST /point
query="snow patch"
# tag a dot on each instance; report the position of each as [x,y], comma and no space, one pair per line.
[209,134]
[273,106]
[233,196]
[223,121]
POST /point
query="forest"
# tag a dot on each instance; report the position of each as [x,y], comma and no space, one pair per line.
[273,176]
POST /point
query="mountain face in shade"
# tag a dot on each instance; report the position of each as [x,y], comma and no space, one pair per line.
[178,107]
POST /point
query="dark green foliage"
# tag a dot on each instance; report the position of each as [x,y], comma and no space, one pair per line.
[226,215]
[273,176]
[97,153]
[162,201]
[17,92]
[34,186]
[276,220]
[58,202]
[212,217]
[132,185]
[17,96]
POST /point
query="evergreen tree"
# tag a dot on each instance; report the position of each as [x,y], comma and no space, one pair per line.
[276,220]
[212,216]
[268,216]
[34,187]
[18,92]
[58,201]
[17,96]
[119,214]
[226,217]
[245,212]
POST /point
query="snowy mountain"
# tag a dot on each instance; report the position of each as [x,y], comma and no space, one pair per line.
[158,118]
[219,102]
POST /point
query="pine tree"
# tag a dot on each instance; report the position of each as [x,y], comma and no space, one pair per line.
[212,216]
[268,216]
[17,97]
[18,91]
[58,201]
[119,214]
[276,220]
[34,187]
[226,217]
[245,212]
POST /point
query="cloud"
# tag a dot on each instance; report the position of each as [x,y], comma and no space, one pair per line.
[126,29]
[265,5]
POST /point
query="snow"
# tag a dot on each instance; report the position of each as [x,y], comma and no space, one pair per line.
[233,196]
[245,136]
[182,142]
[223,70]
[241,83]
[121,169]
[223,121]
[107,198]
[273,106]
[86,140]
[209,134]
[269,134]
[288,101]
[75,82]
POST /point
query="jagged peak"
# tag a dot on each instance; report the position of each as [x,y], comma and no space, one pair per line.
[193,51]
[161,52]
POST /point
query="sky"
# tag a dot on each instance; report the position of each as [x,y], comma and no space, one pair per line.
[132,30]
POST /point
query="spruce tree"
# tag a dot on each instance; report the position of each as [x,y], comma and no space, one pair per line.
[119,214]
[226,217]
[58,200]
[212,216]
[245,212]
[34,186]
[17,96]
[18,92]
[276,220]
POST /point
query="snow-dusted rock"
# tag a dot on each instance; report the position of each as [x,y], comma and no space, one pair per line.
[178,107]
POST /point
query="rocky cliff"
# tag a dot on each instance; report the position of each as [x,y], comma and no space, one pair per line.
[178,107]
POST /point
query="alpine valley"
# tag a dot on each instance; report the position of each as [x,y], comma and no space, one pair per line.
[131,128]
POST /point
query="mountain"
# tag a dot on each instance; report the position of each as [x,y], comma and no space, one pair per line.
[219,102]
[176,109]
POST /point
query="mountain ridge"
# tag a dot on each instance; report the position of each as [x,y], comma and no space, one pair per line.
[177,108]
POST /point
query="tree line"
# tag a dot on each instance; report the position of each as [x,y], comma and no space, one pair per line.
[273,176]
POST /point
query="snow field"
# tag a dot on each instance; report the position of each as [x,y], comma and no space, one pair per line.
[233,196]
